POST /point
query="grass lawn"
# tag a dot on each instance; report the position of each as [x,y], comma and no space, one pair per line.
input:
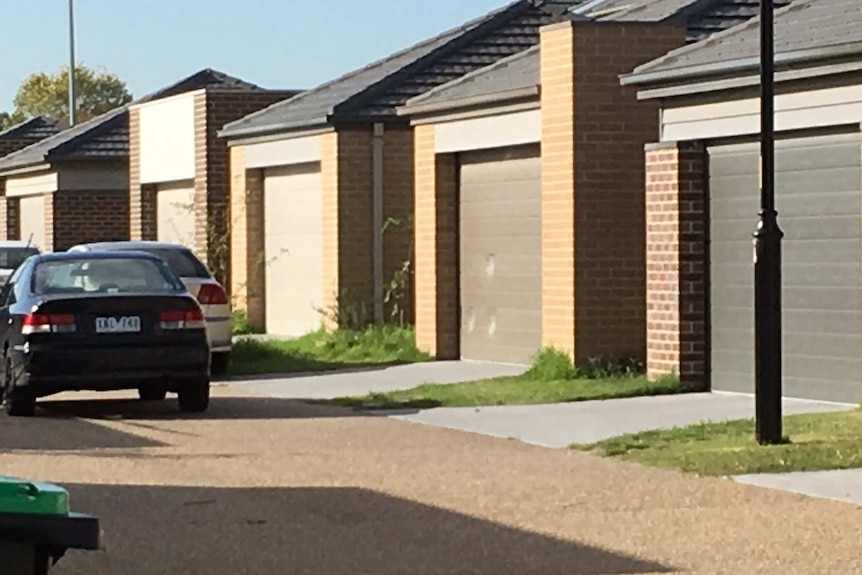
[525,389]
[325,351]
[816,442]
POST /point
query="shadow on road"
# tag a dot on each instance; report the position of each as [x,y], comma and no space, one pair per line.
[221,408]
[64,434]
[319,531]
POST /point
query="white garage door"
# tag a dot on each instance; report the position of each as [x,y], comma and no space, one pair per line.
[501,254]
[176,214]
[293,248]
[33,220]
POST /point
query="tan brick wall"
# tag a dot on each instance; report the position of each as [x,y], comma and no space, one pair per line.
[558,174]
[142,198]
[89,216]
[593,134]
[329,207]
[676,237]
[436,248]
[246,236]
[49,224]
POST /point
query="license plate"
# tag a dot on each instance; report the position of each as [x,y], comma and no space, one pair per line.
[128,324]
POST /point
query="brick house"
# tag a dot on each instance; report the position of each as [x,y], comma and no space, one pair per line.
[702,201]
[530,214]
[27,133]
[316,178]
[178,168]
[70,187]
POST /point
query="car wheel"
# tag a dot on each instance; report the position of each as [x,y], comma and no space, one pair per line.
[219,364]
[17,402]
[194,396]
[152,393]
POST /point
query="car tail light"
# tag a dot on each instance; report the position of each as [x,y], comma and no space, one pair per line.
[47,323]
[181,319]
[212,294]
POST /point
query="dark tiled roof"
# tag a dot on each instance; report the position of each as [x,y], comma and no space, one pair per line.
[702,18]
[376,90]
[517,72]
[34,129]
[522,71]
[206,79]
[103,137]
[802,26]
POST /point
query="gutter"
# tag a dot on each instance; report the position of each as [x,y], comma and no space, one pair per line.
[741,64]
[377,219]
[484,99]
[233,134]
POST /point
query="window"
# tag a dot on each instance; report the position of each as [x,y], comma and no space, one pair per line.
[11,258]
[104,275]
[182,262]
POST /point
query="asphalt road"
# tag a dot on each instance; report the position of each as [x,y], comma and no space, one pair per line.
[274,487]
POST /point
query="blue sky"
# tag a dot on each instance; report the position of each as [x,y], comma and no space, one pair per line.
[277,44]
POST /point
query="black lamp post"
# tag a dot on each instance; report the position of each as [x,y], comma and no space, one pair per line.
[73,100]
[767,253]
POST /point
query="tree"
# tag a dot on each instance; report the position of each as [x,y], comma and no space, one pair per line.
[42,94]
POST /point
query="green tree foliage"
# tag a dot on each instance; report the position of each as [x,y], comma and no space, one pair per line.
[43,94]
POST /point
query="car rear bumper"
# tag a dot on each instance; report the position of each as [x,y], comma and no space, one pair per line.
[218,331]
[48,370]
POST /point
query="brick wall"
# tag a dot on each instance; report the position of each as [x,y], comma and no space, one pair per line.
[89,216]
[436,249]
[246,236]
[593,134]
[213,110]
[676,236]
[13,219]
[398,204]
[49,224]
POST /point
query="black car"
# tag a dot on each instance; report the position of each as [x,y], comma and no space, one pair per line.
[101,321]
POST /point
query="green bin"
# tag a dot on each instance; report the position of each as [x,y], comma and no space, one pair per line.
[37,527]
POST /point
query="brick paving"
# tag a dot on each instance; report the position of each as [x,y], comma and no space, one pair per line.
[271,487]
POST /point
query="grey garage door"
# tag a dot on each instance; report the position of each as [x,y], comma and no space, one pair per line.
[501,240]
[818,198]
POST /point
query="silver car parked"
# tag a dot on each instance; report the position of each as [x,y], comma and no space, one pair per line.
[210,294]
[12,254]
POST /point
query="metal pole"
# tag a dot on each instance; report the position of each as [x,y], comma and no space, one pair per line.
[73,100]
[767,253]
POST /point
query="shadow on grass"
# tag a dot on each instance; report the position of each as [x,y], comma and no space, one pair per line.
[327,531]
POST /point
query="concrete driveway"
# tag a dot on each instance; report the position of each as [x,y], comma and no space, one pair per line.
[272,487]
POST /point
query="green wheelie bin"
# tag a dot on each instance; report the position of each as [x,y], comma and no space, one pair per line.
[37,527]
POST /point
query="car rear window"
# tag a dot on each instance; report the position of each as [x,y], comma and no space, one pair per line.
[11,258]
[182,262]
[104,275]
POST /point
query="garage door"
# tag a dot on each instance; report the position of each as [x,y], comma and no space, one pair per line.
[818,200]
[33,220]
[500,243]
[294,249]
[176,214]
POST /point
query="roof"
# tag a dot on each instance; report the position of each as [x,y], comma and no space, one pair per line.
[521,72]
[131,245]
[66,256]
[378,89]
[107,136]
[103,137]
[17,244]
[800,29]
[33,129]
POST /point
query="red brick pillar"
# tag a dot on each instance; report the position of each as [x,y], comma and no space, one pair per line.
[676,206]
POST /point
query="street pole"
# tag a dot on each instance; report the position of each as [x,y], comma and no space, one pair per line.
[767,253]
[73,100]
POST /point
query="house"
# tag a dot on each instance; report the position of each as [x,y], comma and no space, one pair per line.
[530,215]
[70,187]
[26,133]
[317,178]
[178,168]
[702,199]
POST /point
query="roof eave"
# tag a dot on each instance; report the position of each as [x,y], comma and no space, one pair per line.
[25,168]
[272,129]
[493,98]
[636,78]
